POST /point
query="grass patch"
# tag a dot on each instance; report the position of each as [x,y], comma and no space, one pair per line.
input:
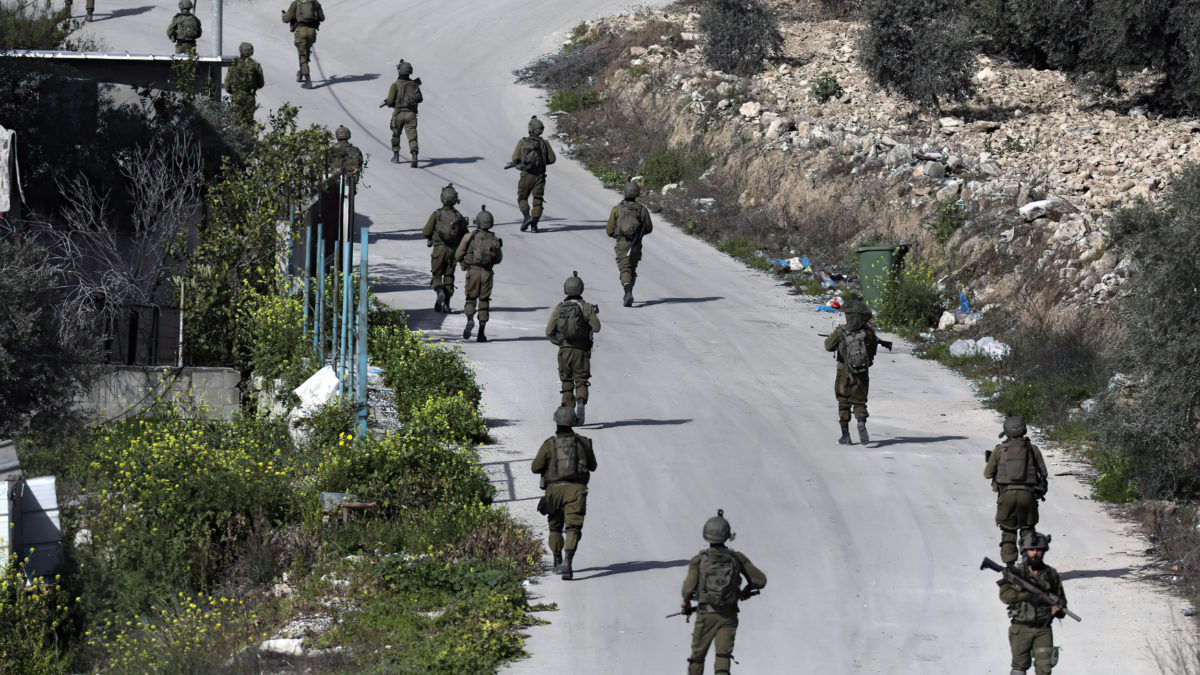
[570,100]
[744,249]
[948,218]
[669,164]
[611,177]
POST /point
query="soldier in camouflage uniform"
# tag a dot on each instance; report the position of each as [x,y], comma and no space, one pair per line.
[565,462]
[571,325]
[304,17]
[90,7]
[443,231]
[1031,632]
[714,582]
[532,155]
[628,222]
[184,29]
[344,157]
[1019,477]
[404,96]
[851,387]
[478,253]
[242,82]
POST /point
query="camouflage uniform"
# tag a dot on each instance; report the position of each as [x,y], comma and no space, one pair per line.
[1016,494]
[343,156]
[90,6]
[304,34]
[184,24]
[441,258]
[242,82]
[574,360]
[565,500]
[628,249]
[1031,631]
[851,392]
[404,117]
[532,180]
[479,274]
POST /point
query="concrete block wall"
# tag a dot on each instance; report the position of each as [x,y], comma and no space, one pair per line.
[126,390]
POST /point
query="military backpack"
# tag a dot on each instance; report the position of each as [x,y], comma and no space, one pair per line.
[854,351]
[569,461]
[306,11]
[532,155]
[720,578]
[572,325]
[450,229]
[409,95]
[629,219]
[1016,465]
[483,249]
[188,28]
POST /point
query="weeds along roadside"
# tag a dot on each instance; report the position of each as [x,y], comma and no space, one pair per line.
[1092,378]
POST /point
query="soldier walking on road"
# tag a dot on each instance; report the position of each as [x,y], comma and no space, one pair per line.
[714,582]
[479,252]
[1019,477]
[443,231]
[565,461]
[344,157]
[571,326]
[242,82]
[90,7]
[855,344]
[1031,633]
[532,155]
[403,97]
[184,29]
[628,222]
[304,17]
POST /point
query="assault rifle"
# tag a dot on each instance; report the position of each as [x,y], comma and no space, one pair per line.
[510,164]
[1013,576]
[886,344]
[691,609]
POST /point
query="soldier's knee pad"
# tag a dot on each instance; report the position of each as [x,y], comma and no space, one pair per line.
[692,659]
[1046,655]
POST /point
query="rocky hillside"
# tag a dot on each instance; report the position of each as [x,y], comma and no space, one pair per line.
[1026,174]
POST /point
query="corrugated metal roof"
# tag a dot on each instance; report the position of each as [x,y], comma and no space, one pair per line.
[109,56]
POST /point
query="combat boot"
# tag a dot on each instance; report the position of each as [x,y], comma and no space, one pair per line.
[307,83]
[567,573]
[525,218]
[628,300]
[89,16]
[579,404]
[557,562]
[395,157]
[845,439]
[533,223]
[299,76]
[441,300]
[862,432]
[481,337]
[446,308]
[413,163]
[470,327]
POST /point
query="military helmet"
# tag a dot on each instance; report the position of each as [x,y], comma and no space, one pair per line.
[404,67]
[632,190]
[449,195]
[1014,427]
[565,416]
[716,529]
[484,219]
[535,126]
[246,50]
[853,306]
[342,133]
[573,285]
[1032,539]
[185,4]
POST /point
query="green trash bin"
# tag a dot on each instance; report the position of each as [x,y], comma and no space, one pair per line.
[875,265]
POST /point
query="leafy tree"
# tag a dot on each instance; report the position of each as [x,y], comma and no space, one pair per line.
[739,35]
[920,49]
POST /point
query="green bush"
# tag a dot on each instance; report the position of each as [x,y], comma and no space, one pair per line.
[949,216]
[269,333]
[743,248]
[34,25]
[739,35]
[330,423]
[570,100]
[666,164]
[1114,481]
[920,49]
[826,87]
[417,370]
[31,617]
[911,300]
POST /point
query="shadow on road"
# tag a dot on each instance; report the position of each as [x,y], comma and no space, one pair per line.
[904,440]
[634,423]
[438,161]
[120,13]
[523,338]
[425,319]
[392,287]
[680,301]
[627,567]
[569,228]
[1115,573]
[517,309]
[343,79]
[397,235]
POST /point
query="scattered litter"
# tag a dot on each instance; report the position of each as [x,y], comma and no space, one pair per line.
[928,337]
[1190,611]
[985,346]
[825,308]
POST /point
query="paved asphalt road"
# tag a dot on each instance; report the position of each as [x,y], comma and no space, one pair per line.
[713,391]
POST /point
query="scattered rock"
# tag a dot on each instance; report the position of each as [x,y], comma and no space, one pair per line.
[282,647]
[930,170]
[1054,209]
[750,109]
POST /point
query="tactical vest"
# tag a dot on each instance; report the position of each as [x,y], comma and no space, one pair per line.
[188,28]
[720,578]
[629,219]
[572,324]
[1016,465]
[450,228]
[306,11]
[532,155]
[568,461]
[483,249]
[408,96]
[1036,614]
[854,351]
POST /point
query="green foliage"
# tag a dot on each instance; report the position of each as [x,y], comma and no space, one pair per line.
[919,49]
[1155,421]
[612,178]
[1115,480]
[330,423]
[34,24]
[570,100]
[826,87]
[31,616]
[745,249]
[672,164]
[949,216]
[739,35]
[419,370]
[269,337]
[911,299]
